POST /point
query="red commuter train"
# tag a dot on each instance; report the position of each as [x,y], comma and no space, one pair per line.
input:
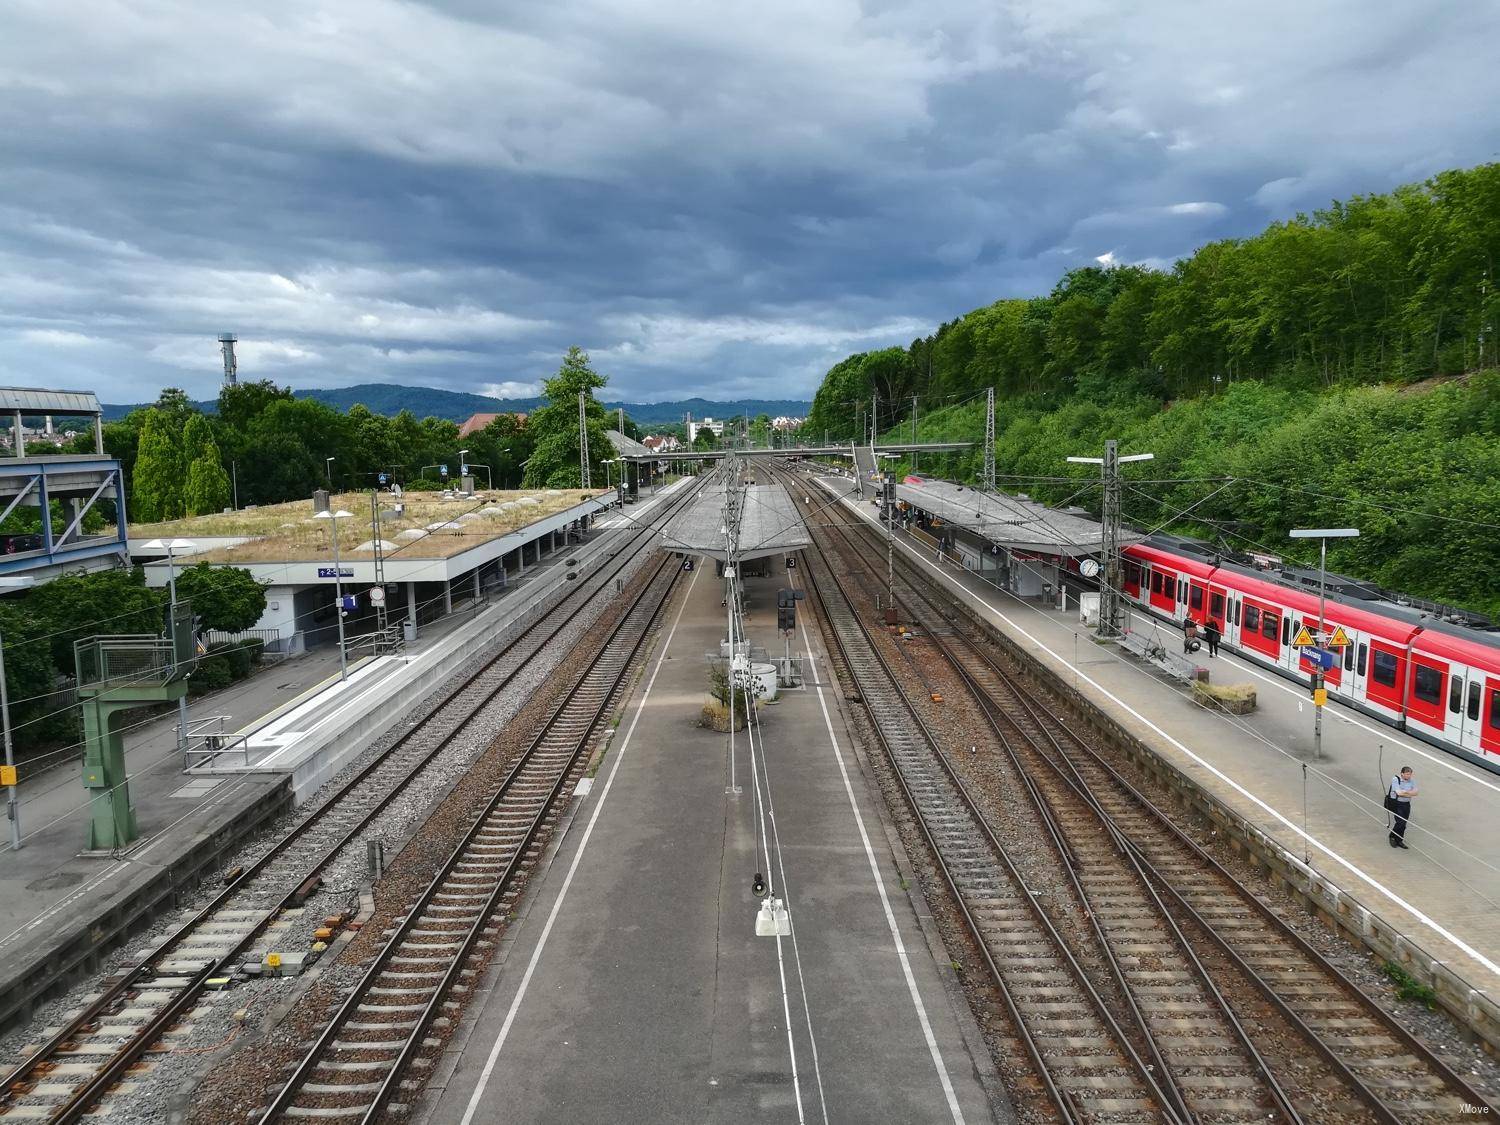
[1433,679]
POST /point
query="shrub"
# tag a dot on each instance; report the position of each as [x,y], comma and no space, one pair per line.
[213,672]
[256,648]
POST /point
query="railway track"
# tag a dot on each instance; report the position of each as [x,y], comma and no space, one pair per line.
[1079,1054]
[356,1068]
[91,1058]
[1208,960]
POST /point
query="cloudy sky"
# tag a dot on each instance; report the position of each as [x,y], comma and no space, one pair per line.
[713,199]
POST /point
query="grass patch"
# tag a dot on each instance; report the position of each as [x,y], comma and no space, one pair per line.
[1407,986]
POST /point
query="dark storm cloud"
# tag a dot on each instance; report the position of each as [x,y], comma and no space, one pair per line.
[712,200]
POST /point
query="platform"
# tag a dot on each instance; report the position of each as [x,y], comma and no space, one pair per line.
[633,987]
[1443,893]
[64,911]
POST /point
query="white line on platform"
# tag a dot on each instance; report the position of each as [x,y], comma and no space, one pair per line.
[1431,923]
[885,902]
[536,954]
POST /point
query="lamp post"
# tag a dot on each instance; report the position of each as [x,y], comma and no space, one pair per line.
[463,466]
[1320,694]
[169,546]
[606,465]
[13,801]
[888,497]
[338,586]
[328,465]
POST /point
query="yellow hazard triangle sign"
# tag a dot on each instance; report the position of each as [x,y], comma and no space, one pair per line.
[1340,639]
[1304,639]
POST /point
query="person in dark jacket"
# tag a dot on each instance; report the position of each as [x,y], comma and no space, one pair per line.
[1189,635]
[1211,634]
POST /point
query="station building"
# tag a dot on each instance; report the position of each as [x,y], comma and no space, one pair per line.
[1020,546]
[425,552]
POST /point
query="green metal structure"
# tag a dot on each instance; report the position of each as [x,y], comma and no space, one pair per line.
[116,674]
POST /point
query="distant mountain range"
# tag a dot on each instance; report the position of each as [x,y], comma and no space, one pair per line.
[392,398]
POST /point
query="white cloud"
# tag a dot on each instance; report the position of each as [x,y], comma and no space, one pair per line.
[510,389]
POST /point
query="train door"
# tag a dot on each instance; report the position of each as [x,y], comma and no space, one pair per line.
[1334,676]
[1197,607]
[1427,699]
[1164,591]
[1218,608]
[1489,729]
[1133,580]
[1385,675]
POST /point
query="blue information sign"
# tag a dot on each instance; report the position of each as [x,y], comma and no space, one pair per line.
[329,572]
[1319,656]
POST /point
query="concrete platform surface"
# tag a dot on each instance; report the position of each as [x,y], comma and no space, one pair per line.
[1443,892]
[634,989]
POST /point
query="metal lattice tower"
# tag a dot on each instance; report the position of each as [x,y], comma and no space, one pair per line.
[914,432]
[231,368]
[989,441]
[583,438]
[1109,543]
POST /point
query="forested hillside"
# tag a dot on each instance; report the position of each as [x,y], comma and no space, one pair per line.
[1286,361]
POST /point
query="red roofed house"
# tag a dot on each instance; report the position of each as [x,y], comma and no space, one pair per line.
[477,422]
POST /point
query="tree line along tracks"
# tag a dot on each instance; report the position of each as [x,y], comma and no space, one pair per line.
[83,1064]
[1226,1009]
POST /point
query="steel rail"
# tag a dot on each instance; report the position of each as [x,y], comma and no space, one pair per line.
[991,709]
[314,1057]
[113,1069]
[1061,1096]
[1117,782]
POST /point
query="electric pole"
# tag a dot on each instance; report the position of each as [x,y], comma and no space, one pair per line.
[914,432]
[989,441]
[1109,539]
[583,438]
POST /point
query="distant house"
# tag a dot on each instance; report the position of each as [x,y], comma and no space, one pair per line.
[661,443]
[785,423]
[709,424]
[477,422]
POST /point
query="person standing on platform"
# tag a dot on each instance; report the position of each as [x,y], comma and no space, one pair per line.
[1211,634]
[1189,634]
[1398,799]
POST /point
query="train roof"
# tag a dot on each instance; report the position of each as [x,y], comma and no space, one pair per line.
[1458,642]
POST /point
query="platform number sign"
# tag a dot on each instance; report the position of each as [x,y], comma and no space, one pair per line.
[791,562]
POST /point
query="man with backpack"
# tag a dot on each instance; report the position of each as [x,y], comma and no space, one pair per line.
[1398,797]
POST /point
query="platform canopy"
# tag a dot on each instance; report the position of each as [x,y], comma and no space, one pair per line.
[1011,521]
[771,524]
[627,448]
[37,400]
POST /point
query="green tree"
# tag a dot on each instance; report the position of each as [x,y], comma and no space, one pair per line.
[224,598]
[158,480]
[207,486]
[555,461]
[86,605]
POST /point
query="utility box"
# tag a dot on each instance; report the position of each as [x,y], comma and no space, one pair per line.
[1088,609]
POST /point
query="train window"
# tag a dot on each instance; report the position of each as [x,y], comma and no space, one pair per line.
[1385,668]
[1428,684]
[1133,573]
[1216,605]
[1237,611]
[1348,658]
[1268,624]
[1252,618]
[1473,699]
[1495,708]
[1455,694]
[1182,589]
[1156,581]
[1197,597]
[1364,651]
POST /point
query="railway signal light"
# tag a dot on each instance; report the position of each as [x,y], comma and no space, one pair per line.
[786,608]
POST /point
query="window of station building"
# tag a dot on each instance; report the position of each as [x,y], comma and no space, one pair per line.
[1364,651]
[1252,618]
[1427,684]
[1455,694]
[1197,597]
[1269,625]
[1385,668]
[1473,710]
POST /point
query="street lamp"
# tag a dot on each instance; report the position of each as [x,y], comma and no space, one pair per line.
[338,584]
[1320,694]
[606,465]
[170,545]
[463,467]
[888,496]
[328,464]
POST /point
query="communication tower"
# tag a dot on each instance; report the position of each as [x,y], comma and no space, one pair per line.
[231,369]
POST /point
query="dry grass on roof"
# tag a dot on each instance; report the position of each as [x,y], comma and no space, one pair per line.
[290,532]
